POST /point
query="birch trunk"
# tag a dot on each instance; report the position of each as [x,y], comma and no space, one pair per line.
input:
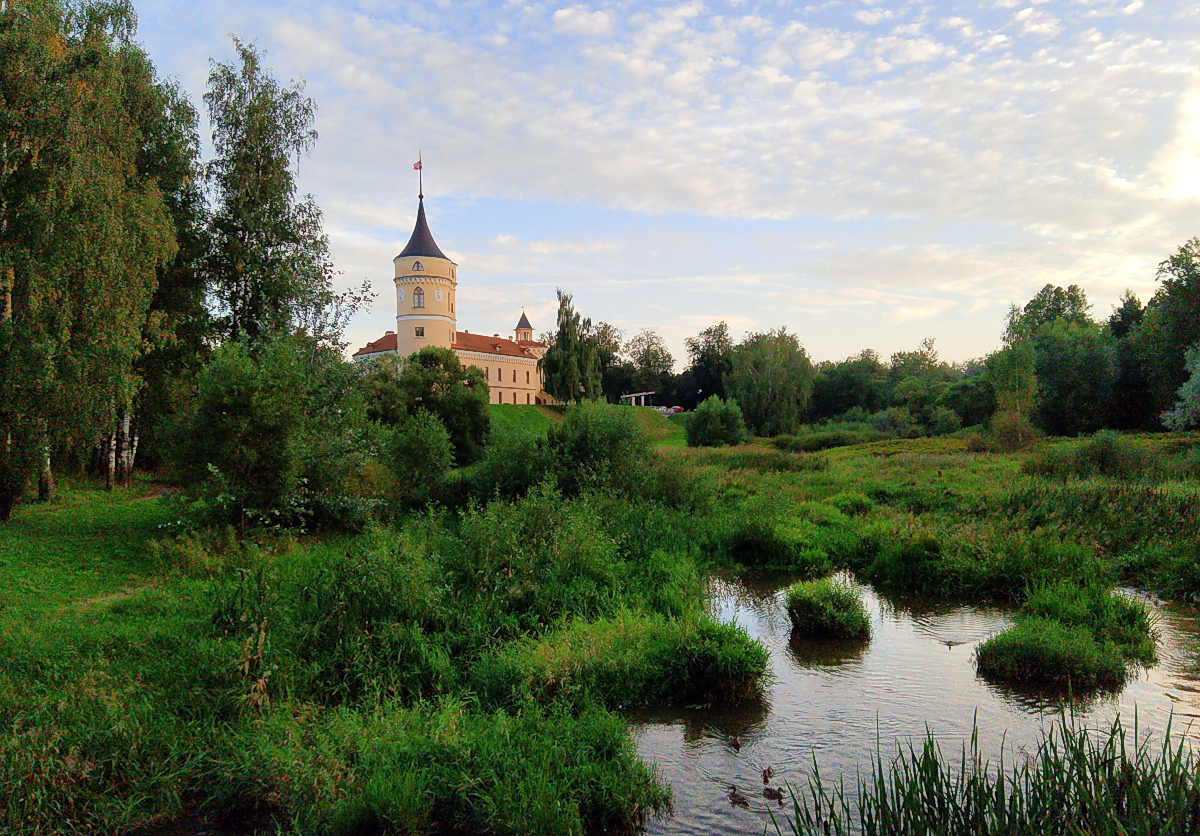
[123,450]
[45,474]
[110,473]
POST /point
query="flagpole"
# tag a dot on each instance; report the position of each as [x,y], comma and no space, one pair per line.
[420,176]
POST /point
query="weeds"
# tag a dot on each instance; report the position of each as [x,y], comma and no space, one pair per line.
[1077,782]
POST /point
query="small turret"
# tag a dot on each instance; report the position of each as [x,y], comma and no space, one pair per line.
[524,329]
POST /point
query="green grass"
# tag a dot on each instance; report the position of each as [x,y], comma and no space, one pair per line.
[523,420]
[1077,782]
[662,430]
[827,608]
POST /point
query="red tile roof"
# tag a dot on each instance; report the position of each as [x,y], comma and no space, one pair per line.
[385,343]
[489,345]
[464,341]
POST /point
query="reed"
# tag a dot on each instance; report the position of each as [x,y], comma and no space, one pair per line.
[1077,782]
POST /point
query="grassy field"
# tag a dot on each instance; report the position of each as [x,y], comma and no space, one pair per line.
[153,674]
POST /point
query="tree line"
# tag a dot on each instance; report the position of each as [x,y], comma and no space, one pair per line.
[1059,371]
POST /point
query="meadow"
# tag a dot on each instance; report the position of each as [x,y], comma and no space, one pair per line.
[466,667]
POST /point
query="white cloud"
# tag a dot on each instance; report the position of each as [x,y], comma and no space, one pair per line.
[577,20]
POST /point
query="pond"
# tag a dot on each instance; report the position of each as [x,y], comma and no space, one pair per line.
[839,701]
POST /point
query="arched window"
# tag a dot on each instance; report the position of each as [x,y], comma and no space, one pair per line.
[418,267]
[418,298]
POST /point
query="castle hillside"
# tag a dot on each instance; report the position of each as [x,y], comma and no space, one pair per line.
[426,286]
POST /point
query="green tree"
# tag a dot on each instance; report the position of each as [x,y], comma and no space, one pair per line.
[433,380]
[616,373]
[771,378]
[651,360]
[1076,367]
[710,355]
[1171,325]
[83,229]
[1050,304]
[268,261]
[421,455]
[572,364]
[716,423]
[1130,406]
[859,381]
[276,434]
[1013,373]
[1186,412]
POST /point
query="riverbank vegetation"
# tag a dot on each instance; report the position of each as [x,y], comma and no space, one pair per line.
[1078,781]
[827,608]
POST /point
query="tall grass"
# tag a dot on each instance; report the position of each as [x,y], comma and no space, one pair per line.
[829,607]
[1077,782]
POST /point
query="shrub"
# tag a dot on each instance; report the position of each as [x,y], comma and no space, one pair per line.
[943,421]
[716,423]
[420,455]
[828,608]
[598,446]
[894,422]
[1009,431]
[275,436]
[851,502]
[1043,651]
[512,464]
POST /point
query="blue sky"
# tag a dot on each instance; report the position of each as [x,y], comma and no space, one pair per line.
[865,173]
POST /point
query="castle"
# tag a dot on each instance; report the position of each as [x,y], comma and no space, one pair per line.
[426,285]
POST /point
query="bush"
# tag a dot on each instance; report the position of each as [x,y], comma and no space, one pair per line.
[1043,651]
[275,436]
[894,422]
[420,455]
[433,379]
[828,608]
[598,446]
[716,423]
[512,464]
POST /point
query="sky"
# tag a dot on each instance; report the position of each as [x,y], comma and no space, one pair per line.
[866,173]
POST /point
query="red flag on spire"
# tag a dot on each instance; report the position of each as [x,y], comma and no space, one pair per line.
[417,165]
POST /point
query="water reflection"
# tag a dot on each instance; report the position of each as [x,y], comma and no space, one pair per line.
[839,701]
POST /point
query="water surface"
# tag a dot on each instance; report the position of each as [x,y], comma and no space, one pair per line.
[839,701]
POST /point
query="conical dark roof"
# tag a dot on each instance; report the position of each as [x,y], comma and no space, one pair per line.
[421,242]
[524,325]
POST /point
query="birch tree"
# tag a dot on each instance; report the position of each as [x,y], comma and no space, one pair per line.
[82,230]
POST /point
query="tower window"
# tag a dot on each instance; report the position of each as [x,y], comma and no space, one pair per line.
[499,374]
[487,371]
[514,381]
[420,331]
[399,294]
[418,267]
[418,298]
[526,377]
[437,294]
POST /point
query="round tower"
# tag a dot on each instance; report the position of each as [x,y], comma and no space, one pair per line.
[425,285]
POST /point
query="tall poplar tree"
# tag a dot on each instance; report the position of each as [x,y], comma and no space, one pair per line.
[82,230]
[572,365]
